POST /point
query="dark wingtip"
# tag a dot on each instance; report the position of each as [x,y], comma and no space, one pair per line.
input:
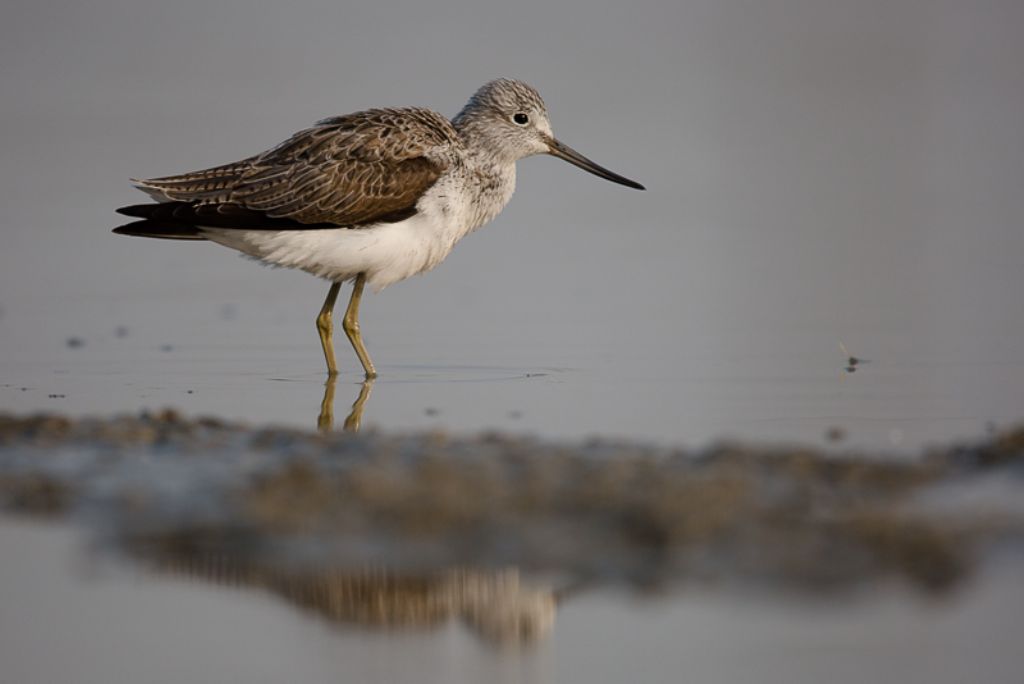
[139,210]
[135,228]
[153,229]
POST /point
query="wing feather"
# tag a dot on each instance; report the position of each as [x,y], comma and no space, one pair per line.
[346,171]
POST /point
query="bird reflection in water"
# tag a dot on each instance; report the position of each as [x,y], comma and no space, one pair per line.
[495,605]
[325,421]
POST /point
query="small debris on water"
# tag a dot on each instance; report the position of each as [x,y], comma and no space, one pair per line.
[75,343]
[835,434]
[166,347]
[851,361]
[121,332]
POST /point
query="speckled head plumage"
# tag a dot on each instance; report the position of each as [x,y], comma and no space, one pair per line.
[504,95]
[507,120]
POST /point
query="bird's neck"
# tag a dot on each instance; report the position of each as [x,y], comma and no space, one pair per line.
[490,166]
[491,186]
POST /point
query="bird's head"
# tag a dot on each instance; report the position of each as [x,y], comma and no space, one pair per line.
[510,120]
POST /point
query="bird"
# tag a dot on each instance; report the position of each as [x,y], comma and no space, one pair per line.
[370,198]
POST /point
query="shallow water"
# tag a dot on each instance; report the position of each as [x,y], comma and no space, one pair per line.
[825,179]
[183,550]
[70,616]
[895,401]
[815,178]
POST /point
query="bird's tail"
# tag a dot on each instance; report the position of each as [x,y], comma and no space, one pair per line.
[157,222]
[154,229]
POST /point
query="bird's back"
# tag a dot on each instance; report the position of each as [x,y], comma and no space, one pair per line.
[347,171]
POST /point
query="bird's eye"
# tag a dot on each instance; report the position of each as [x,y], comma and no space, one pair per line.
[521,119]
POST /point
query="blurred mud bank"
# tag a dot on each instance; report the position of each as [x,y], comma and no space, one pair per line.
[354,523]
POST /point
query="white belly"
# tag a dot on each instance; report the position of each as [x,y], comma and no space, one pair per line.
[385,252]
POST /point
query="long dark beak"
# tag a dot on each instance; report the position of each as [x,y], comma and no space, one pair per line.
[563,151]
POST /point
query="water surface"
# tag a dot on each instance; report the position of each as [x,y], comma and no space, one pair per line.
[105,623]
[820,174]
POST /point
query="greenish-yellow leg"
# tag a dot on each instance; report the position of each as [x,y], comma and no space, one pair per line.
[325,421]
[351,325]
[355,416]
[325,327]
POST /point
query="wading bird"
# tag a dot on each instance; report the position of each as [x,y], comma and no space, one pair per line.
[372,197]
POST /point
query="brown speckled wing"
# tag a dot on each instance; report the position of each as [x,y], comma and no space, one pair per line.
[351,170]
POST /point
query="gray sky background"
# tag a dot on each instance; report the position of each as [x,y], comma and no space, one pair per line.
[815,170]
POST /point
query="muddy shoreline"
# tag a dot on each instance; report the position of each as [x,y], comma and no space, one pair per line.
[279,504]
